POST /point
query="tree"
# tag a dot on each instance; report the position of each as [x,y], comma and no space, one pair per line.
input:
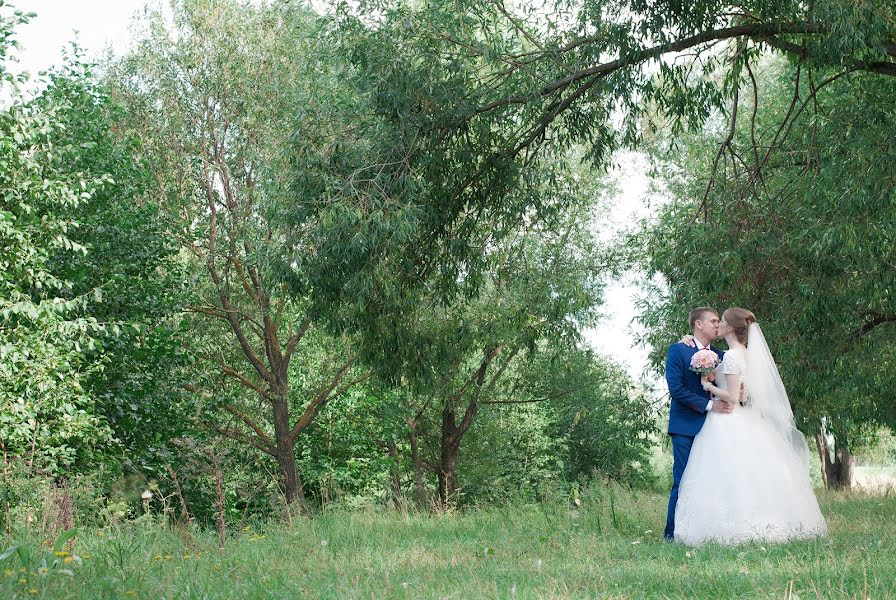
[543,285]
[569,416]
[220,113]
[47,418]
[790,215]
[477,92]
[129,273]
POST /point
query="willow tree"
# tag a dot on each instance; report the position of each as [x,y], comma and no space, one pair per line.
[484,91]
[480,91]
[543,284]
[223,97]
[794,221]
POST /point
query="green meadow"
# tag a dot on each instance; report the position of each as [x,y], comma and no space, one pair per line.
[608,548]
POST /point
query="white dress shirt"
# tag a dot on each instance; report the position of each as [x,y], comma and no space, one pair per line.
[699,348]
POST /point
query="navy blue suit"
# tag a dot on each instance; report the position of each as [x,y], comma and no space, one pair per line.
[686,416]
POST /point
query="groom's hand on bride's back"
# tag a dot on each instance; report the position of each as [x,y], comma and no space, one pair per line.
[720,406]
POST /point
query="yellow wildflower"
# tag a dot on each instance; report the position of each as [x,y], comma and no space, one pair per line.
[9,572]
[62,554]
[68,560]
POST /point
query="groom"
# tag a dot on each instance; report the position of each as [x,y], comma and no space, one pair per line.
[690,403]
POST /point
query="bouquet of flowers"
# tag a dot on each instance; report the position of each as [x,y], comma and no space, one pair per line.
[704,362]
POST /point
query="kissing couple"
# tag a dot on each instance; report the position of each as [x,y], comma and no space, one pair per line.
[740,466]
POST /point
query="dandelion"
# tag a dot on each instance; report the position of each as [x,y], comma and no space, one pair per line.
[32,591]
[9,572]
[61,554]
[167,557]
[43,571]
[68,560]
[22,580]
[157,557]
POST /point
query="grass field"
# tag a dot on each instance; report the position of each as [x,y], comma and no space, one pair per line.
[610,548]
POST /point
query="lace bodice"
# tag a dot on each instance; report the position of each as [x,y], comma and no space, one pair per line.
[733,363]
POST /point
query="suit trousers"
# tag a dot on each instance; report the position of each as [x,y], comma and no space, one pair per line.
[681,450]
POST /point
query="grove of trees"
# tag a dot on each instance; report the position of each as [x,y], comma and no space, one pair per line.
[351,252]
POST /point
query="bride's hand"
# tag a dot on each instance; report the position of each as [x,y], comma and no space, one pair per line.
[705,383]
[688,340]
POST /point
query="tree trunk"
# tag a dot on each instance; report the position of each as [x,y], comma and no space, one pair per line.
[219,493]
[289,474]
[837,471]
[450,444]
[451,436]
[285,453]
[395,475]
[419,486]
[448,476]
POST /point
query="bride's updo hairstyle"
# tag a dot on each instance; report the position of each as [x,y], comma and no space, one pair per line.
[740,320]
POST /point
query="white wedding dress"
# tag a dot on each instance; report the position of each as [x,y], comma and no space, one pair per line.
[746,479]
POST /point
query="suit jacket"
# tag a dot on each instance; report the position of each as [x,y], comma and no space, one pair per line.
[688,409]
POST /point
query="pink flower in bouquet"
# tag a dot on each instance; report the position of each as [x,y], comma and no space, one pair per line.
[704,362]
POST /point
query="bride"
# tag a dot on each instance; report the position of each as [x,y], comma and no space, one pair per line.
[747,478]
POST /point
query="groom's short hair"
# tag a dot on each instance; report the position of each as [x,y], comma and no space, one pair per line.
[697,314]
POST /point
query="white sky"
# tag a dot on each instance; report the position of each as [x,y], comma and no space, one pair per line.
[100,24]
[95,24]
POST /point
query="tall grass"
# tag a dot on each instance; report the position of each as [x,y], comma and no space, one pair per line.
[610,548]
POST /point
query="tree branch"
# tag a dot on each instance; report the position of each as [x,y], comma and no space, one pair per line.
[237,435]
[872,320]
[252,425]
[318,401]
[756,30]
[295,338]
[217,311]
[266,394]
